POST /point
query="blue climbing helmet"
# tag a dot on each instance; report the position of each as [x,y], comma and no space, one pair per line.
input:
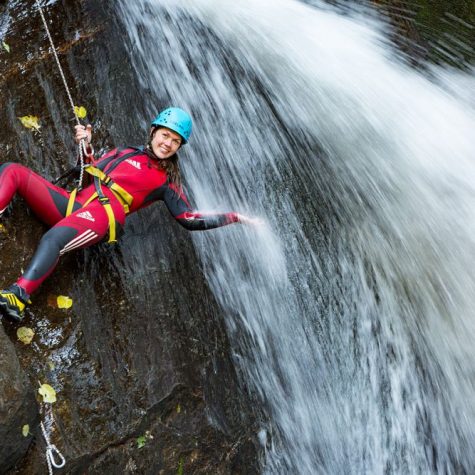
[175,119]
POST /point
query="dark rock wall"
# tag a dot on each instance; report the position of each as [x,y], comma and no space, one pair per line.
[17,406]
[142,356]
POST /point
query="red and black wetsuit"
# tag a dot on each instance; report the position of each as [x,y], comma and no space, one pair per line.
[138,173]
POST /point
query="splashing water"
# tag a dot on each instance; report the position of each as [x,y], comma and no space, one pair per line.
[352,313]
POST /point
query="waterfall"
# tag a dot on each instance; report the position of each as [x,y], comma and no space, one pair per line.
[351,313]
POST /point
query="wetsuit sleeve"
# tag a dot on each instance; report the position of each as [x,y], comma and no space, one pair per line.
[190,219]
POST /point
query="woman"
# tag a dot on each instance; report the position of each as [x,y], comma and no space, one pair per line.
[124,181]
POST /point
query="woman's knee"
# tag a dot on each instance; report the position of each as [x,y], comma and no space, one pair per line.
[4,166]
[56,238]
[15,169]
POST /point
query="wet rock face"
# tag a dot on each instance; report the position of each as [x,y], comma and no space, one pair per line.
[140,363]
[17,406]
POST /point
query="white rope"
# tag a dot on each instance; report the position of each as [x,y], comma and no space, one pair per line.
[54,457]
[82,145]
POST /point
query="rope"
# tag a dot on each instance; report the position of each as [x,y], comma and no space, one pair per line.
[82,145]
[54,457]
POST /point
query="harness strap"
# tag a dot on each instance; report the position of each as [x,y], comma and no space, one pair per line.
[117,162]
[104,202]
[101,178]
[72,198]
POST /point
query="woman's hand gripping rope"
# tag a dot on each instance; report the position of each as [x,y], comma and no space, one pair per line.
[83,133]
[83,137]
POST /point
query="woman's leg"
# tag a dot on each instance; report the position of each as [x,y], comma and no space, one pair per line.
[49,202]
[83,228]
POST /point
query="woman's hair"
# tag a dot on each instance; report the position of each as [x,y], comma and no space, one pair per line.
[170,165]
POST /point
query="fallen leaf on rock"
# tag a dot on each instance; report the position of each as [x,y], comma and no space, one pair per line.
[64,302]
[25,430]
[25,335]
[48,393]
[81,111]
[6,47]
[142,440]
[59,301]
[3,229]
[30,122]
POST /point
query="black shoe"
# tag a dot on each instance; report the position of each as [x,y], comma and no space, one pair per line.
[13,301]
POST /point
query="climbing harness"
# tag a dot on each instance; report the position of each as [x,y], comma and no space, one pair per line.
[54,457]
[82,148]
[101,178]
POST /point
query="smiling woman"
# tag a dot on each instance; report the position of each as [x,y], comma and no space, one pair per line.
[165,143]
[170,129]
[123,181]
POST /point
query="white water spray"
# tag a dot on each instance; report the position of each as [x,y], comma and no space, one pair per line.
[352,316]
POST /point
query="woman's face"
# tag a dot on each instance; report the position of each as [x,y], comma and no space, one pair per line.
[165,143]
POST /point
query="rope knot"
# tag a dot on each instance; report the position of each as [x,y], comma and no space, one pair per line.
[52,452]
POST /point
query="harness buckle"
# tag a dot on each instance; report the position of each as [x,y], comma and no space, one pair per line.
[104,200]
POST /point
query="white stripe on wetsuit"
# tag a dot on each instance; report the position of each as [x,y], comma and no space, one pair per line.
[79,241]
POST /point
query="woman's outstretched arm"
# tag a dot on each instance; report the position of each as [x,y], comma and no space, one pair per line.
[193,220]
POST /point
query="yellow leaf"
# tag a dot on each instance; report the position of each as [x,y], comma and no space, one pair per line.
[64,302]
[25,335]
[81,111]
[30,122]
[3,229]
[48,393]
[6,47]
[25,430]
[51,365]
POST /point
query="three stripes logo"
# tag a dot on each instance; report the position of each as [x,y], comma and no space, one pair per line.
[86,215]
[79,241]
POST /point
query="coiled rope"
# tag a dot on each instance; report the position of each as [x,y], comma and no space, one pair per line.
[82,145]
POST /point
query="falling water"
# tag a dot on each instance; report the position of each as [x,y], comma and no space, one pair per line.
[351,313]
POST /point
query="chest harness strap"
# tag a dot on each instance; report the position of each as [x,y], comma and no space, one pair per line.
[101,178]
